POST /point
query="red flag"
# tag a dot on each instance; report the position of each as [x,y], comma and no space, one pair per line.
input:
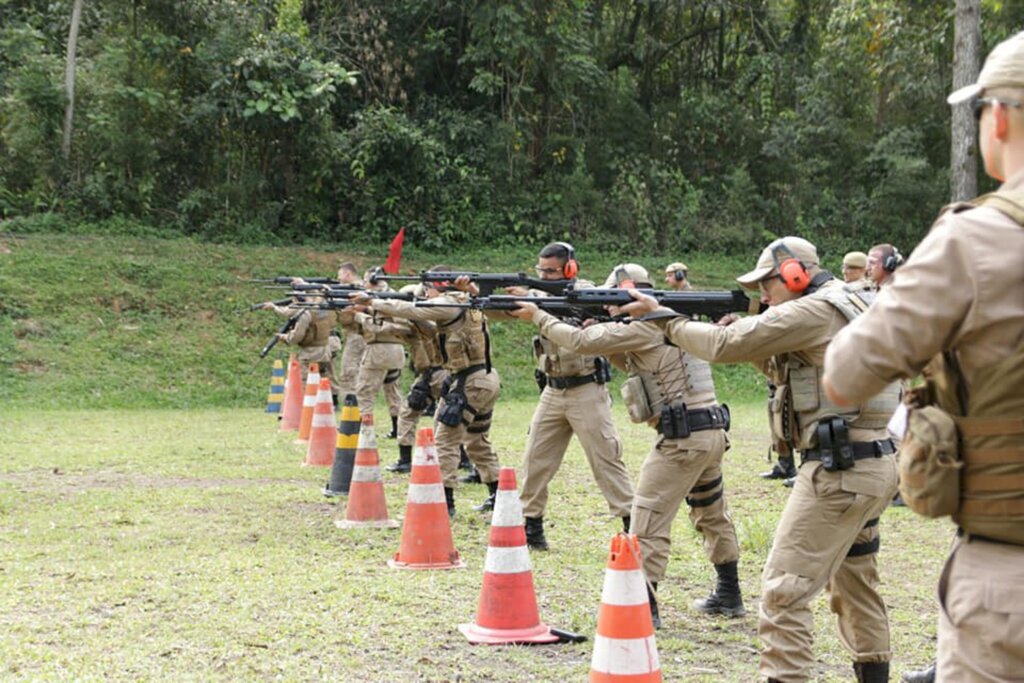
[394,261]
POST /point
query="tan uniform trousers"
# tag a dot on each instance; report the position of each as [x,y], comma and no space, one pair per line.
[393,393]
[482,389]
[826,515]
[409,418]
[676,470]
[351,359]
[378,360]
[981,613]
[320,355]
[585,410]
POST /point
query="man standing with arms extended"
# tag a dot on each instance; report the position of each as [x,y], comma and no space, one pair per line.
[827,537]
[970,344]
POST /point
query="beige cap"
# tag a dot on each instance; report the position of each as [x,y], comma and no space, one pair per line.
[777,252]
[628,271]
[673,267]
[856,259]
[1004,67]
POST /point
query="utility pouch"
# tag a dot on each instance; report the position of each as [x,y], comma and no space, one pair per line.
[540,378]
[602,370]
[451,413]
[419,396]
[930,463]
[834,445]
[635,398]
[674,423]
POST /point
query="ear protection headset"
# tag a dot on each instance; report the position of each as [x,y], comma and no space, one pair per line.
[571,268]
[792,271]
[892,261]
[679,275]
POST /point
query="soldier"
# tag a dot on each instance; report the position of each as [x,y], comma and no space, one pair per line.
[312,334]
[968,342]
[676,276]
[855,264]
[674,393]
[382,359]
[827,537]
[390,387]
[464,412]
[354,344]
[573,400]
[883,260]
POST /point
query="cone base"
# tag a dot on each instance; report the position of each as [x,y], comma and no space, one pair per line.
[359,524]
[330,493]
[398,564]
[316,464]
[478,635]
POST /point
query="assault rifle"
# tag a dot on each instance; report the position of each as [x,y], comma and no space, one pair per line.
[590,303]
[334,299]
[287,280]
[285,329]
[485,282]
[279,302]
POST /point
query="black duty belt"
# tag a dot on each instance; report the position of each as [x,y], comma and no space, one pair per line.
[466,372]
[700,419]
[570,382]
[862,450]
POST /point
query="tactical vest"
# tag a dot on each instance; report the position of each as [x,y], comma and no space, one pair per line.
[424,352]
[799,403]
[990,421]
[319,330]
[677,377]
[557,361]
[464,340]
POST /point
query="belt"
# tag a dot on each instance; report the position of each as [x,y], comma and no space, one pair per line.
[701,419]
[970,538]
[570,382]
[861,450]
[466,372]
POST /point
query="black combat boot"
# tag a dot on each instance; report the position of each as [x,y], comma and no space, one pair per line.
[626,521]
[404,463]
[449,499]
[393,434]
[464,463]
[725,598]
[334,400]
[788,483]
[783,469]
[535,533]
[472,478]
[488,504]
[871,672]
[652,587]
[925,675]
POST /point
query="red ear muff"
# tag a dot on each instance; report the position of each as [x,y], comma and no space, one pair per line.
[794,275]
[571,269]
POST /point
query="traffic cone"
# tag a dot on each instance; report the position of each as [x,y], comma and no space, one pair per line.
[624,647]
[276,394]
[291,413]
[426,532]
[508,604]
[309,402]
[320,452]
[345,448]
[366,503]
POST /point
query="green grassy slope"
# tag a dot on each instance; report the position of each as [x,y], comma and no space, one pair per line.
[115,321]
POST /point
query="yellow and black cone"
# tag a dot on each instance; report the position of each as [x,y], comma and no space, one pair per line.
[345,448]
[276,395]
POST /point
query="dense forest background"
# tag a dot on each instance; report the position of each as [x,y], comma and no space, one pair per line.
[682,125]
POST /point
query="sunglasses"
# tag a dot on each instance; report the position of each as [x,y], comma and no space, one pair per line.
[979,104]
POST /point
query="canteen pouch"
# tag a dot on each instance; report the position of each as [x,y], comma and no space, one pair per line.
[930,464]
[635,398]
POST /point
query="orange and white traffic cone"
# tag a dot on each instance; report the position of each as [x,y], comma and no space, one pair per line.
[309,402]
[426,532]
[320,452]
[508,605]
[624,647]
[276,394]
[366,503]
[291,413]
[345,446]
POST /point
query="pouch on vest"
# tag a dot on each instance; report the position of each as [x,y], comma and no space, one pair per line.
[930,464]
[454,404]
[780,414]
[635,398]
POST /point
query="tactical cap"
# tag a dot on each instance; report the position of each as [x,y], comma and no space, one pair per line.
[673,267]
[628,271]
[777,252]
[1004,68]
[856,259]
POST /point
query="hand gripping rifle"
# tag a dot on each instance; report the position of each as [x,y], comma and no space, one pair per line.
[285,329]
[485,282]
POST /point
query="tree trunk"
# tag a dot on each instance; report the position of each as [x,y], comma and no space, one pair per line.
[963,161]
[69,78]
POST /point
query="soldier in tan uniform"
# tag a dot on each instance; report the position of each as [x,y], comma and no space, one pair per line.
[674,393]
[827,537]
[383,358]
[855,265]
[312,335]
[676,276]
[464,412]
[882,262]
[573,400]
[354,344]
[970,344]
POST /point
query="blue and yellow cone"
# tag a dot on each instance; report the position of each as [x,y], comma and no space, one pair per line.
[345,448]
[276,395]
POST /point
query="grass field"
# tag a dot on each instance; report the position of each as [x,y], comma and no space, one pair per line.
[140,545]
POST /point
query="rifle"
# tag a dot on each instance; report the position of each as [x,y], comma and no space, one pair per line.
[285,329]
[287,280]
[279,302]
[591,303]
[485,282]
[334,299]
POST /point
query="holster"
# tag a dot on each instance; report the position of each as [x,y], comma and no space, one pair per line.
[674,423]
[834,444]
[540,378]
